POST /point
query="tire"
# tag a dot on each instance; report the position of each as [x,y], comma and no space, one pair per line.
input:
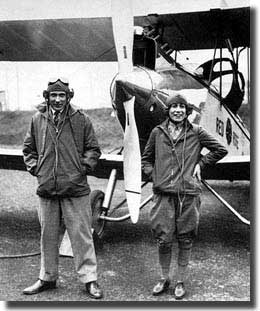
[96,201]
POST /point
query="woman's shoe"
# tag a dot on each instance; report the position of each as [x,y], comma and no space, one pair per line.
[161,287]
[179,290]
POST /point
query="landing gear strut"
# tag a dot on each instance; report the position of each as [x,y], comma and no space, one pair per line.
[100,204]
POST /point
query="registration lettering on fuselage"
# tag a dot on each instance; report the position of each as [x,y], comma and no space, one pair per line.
[220,127]
[230,135]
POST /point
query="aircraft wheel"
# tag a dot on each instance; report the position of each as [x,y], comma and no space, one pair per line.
[96,201]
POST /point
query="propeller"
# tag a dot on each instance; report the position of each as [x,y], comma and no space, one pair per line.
[123,30]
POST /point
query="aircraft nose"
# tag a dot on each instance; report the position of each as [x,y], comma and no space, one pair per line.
[126,90]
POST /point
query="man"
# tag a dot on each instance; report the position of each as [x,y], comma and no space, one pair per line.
[172,157]
[60,148]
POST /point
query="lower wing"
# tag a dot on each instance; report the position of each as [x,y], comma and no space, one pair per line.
[229,168]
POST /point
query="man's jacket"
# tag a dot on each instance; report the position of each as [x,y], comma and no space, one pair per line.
[171,163]
[61,157]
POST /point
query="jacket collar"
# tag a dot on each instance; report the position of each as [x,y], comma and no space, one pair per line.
[164,125]
[43,109]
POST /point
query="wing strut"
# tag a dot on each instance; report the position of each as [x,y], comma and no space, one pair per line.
[240,217]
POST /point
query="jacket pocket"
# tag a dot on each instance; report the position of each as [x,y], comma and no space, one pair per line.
[46,185]
[192,185]
[72,184]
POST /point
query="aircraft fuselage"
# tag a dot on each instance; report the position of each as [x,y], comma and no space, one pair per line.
[151,89]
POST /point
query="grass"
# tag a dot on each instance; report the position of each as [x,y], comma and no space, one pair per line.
[244,113]
[14,124]
[127,254]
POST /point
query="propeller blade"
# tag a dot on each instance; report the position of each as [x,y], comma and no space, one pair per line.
[123,30]
[132,162]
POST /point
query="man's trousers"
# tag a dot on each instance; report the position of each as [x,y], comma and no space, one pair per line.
[77,215]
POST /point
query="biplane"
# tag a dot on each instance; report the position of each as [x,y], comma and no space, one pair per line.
[147,48]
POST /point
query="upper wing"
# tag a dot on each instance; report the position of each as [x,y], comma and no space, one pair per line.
[76,39]
[199,30]
[91,39]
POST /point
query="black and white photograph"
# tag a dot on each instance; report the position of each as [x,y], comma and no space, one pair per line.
[125,153]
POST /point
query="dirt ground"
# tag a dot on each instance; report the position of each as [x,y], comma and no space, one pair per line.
[127,254]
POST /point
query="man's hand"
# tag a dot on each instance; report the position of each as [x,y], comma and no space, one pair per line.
[148,170]
[197,172]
